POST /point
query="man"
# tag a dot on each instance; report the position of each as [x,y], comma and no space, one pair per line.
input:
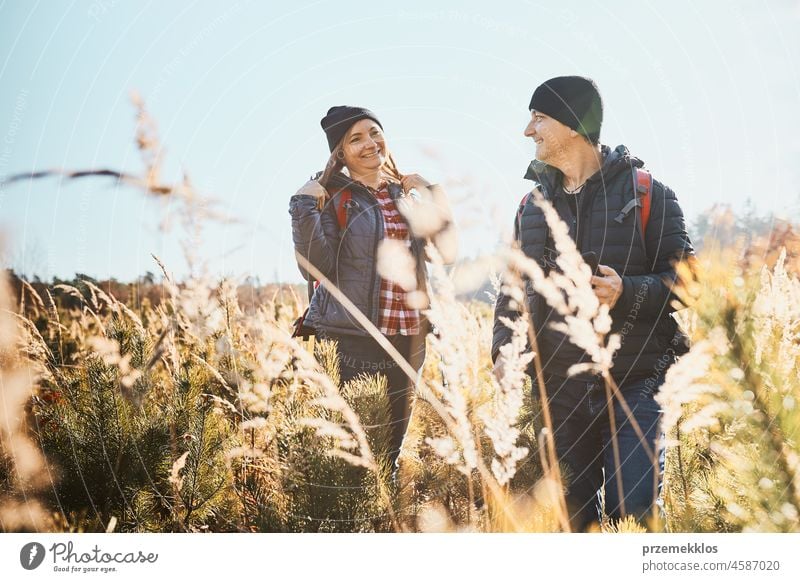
[600,194]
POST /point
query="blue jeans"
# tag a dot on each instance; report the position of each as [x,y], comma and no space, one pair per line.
[582,429]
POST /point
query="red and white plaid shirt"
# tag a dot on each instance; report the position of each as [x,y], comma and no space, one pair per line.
[394,316]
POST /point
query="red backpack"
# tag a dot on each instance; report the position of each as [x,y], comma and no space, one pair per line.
[300,328]
[642,186]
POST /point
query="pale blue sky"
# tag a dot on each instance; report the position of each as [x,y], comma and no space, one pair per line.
[707,93]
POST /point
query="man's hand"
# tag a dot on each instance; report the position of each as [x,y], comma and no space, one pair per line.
[498,368]
[608,288]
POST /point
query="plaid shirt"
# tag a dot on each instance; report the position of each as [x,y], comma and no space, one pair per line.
[394,316]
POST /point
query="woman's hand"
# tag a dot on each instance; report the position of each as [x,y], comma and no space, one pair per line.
[313,188]
[413,182]
[429,216]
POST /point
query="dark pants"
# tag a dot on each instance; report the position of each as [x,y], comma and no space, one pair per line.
[582,431]
[362,355]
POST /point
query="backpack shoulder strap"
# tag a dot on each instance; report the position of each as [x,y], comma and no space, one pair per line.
[644,189]
[341,218]
[341,207]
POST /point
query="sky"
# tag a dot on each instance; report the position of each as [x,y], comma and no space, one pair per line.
[706,93]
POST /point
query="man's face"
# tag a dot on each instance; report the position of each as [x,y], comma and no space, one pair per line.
[551,136]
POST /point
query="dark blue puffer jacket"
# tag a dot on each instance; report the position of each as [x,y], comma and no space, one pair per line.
[642,315]
[345,256]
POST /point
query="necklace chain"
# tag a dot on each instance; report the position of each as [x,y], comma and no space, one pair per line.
[574,190]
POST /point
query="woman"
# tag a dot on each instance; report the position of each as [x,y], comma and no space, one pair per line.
[338,224]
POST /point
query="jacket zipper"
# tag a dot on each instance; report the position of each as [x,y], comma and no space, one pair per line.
[378,236]
[584,211]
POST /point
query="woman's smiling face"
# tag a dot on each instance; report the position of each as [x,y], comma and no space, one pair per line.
[364,147]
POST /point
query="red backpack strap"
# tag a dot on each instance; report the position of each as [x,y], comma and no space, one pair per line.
[644,189]
[341,218]
[341,209]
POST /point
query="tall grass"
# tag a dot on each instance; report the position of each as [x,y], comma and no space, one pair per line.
[731,402]
[194,414]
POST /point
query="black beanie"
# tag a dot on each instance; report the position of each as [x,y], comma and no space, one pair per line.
[341,118]
[574,101]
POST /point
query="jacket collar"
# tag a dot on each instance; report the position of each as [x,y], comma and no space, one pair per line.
[614,161]
[339,182]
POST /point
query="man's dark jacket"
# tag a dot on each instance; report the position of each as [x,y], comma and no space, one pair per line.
[642,315]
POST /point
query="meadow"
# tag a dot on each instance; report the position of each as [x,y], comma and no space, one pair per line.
[186,406]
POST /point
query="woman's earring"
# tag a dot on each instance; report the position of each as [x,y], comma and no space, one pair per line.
[340,154]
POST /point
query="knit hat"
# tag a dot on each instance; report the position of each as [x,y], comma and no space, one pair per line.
[574,101]
[341,118]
